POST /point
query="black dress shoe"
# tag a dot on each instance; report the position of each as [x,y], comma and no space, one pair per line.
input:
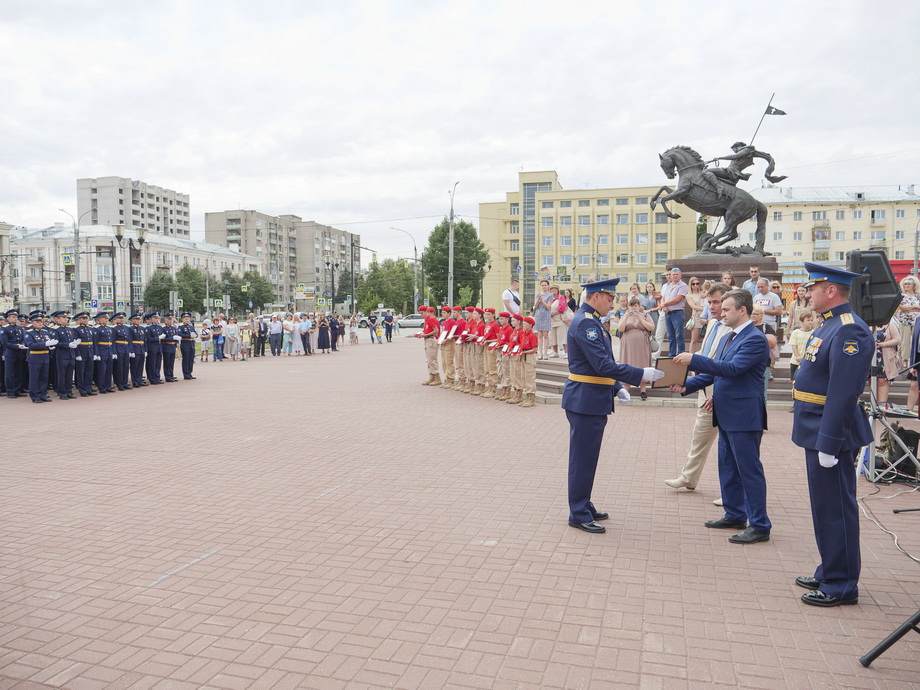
[807,582]
[819,598]
[92,393]
[600,516]
[38,401]
[725,523]
[591,527]
[749,536]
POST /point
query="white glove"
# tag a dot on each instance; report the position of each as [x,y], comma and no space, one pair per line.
[51,343]
[623,395]
[131,356]
[161,336]
[114,356]
[177,338]
[97,358]
[79,358]
[22,347]
[651,374]
[74,344]
[826,459]
[194,334]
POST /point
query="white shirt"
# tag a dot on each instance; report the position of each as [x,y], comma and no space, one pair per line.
[508,297]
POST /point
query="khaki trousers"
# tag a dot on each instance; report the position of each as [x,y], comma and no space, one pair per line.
[431,356]
[478,363]
[504,370]
[517,372]
[447,359]
[703,436]
[490,360]
[529,373]
[459,354]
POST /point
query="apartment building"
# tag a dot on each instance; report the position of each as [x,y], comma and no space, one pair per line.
[542,231]
[134,204]
[295,252]
[824,223]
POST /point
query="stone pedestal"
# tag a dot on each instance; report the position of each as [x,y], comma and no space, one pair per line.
[712,266]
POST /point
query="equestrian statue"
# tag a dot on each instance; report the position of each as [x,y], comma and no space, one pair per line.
[714,192]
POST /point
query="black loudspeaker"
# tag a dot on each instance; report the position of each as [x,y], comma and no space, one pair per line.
[875,295]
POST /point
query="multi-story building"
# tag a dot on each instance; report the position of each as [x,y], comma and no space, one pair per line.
[824,223]
[296,253]
[134,204]
[6,268]
[112,272]
[543,231]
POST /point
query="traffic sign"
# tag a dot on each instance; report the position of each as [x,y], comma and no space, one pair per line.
[244,288]
[320,301]
[180,303]
[218,303]
[301,286]
[120,305]
[68,259]
[94,303]
[87,305]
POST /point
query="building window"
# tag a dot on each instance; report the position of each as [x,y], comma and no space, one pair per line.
[642,258]
[584,220]
[661,257]
[878,235]
[584,240]
[622,259]
[899,234]
[104,292]
[584,259]
[603,240]
[603,220]
[821,255]
[603,259]
[565,204]
[641,238]
[839,235]
[136,275]
[103,273]
[857,215]
[546,222]
[819,215]
[857,234]
[583,277]
[641,200]
[622,202]
[796,215]
[515,209]
[899,213]
[778,236]
[642,278]
[548,260]
[565,260]
[584,202]
[661,238]
[641,218]
[840,215]
[796,236]
[565,241]
[877,214]
[514,245]
[622,239]
[548,241]
[796,253]
[661,217]
[622,219]
[603,202]
[565,222]
[899,255]
[514,227]
[546,204]
[777,215]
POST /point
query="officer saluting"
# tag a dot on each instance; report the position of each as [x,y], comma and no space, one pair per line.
[588,397]
[831,427]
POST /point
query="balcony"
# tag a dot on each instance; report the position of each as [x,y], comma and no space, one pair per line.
[877,222]
[233,237]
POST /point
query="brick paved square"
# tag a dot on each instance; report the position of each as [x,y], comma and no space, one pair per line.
[328,522]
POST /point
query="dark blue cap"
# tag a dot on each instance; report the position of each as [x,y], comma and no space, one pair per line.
[184,314]
[117,314]
[608,286]
[101,314]
[167,315]
[81,314]
[61,312]
[818,273]
[11,312]
[137,315]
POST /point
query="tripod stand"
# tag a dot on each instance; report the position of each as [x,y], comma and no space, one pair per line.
[878,416]
[910,624]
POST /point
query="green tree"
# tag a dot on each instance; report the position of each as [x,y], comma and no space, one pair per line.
[702,227]
[156,294]
[190,284]
[260,290]
[389,282]
[467,246]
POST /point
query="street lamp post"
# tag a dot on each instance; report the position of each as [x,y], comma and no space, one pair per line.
[414,270]
[332,266]
[120,236]
[481,270]
[207,279]
[450,248]
[78,295]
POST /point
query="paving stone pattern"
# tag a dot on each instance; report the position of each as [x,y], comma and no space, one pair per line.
[327,522]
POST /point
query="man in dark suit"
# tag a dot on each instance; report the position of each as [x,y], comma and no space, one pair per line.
[831,427]
[588,397]
[261,333]
[739,409]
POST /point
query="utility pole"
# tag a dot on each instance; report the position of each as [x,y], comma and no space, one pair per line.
[414,270]
[450,248]
[76,250]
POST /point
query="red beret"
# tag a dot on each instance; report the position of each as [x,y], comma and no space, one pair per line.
[505,314]
[491,310]
[456,308]
[479,311]
[423,308]
[445,308]
[471,309]
[530,320]
[517,316]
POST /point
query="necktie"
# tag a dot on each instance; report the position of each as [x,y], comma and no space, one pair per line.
[731,336]
[710,339]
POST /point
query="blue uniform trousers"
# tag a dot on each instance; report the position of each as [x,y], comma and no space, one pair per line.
[169,362]
[13,371]
[674,324]
[744,489]
[120,368]
[137,369]
[836,521]
[38,377]
[104,373]
[188,359]
[154,362]
[83,374]
[64,369]
[586,432]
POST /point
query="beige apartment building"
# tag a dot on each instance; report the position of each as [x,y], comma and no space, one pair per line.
[824,223]
[296,253]
[568,236]
[134,204]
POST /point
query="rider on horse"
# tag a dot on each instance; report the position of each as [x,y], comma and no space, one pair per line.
[743,157]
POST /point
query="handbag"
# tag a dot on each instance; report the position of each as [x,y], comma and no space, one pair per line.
[691,323]
[567,316]
[653,343]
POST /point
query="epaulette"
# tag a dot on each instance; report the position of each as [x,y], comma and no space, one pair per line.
[846,319]
[589,316]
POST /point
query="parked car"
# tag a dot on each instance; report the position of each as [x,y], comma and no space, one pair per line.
[362,321]
[412,321]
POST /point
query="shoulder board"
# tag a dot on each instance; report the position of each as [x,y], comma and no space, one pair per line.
[589,315]
[846,319]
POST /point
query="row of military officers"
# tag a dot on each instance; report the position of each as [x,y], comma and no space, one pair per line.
[55,355]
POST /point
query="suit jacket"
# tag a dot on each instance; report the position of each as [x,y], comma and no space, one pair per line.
[738,402]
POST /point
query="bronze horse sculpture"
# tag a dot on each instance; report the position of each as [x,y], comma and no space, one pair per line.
[706,195]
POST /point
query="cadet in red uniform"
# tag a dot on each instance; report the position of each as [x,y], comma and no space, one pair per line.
[477,340]
[528,342]
[504,364]
[514,361]
[460,380]
[469,334]
[447,347]
[490,355]
[430,333]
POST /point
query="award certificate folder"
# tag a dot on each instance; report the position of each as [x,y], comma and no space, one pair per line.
[673,373]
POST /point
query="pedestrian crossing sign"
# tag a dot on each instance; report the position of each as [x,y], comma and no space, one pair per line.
[218,303]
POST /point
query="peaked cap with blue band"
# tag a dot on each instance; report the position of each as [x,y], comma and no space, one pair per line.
[818,273]
[608,286]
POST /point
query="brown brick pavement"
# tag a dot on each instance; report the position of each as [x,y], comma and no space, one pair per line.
[306,523]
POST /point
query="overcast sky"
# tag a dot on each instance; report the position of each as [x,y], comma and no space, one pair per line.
[363,115]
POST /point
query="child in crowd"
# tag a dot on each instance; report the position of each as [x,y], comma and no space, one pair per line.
[528,342]
[245,341]
[205,335]
[799,338]
[515,361]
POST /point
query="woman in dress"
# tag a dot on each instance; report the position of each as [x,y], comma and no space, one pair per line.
[287,333]
[635,326]
[570,298]
[353,329]
[649,300]
[322,338]
[232,339]
[907,315]
[297,349]
[887,342]
[695,304]
[558,330]
[542,314]
[205,335]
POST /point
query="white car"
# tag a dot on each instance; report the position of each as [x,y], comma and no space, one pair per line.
[412,321]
